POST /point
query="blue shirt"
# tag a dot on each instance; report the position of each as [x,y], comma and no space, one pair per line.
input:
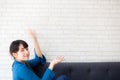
[22,72]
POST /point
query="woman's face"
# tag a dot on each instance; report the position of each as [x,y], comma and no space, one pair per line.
[22,54]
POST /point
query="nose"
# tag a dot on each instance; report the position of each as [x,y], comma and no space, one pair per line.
[26,52]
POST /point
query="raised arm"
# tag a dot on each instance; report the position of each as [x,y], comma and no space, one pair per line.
[39,53]
[36,44]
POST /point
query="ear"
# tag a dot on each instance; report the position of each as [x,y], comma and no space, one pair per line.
[14,55]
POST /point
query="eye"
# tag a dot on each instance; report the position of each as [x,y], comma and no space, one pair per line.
[27,49]
[22,50]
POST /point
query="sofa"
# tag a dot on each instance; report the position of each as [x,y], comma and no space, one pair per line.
[85,70]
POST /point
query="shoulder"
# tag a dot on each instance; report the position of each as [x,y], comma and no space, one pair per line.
[18,66]
[20,70]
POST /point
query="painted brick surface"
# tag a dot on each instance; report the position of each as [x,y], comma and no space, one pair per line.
[80,30]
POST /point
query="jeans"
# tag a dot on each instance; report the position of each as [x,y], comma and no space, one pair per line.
[63,77]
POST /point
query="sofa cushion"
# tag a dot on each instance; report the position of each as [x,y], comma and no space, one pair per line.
[85,71]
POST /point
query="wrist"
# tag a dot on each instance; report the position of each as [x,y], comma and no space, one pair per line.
[51,66]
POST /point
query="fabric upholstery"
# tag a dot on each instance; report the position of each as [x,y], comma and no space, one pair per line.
[86,70]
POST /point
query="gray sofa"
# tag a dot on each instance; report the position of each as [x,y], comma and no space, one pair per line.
[85,70]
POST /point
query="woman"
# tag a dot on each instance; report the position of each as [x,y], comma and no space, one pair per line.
[21,65]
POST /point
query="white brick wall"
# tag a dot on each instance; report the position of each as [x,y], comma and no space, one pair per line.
[81,30]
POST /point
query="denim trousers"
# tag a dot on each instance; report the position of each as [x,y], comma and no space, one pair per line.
[63,77]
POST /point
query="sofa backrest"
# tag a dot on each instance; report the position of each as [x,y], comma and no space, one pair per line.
[86,70]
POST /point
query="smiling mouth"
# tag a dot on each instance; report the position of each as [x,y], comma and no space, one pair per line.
[25,55]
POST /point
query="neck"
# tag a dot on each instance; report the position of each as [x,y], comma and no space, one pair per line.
[22,61]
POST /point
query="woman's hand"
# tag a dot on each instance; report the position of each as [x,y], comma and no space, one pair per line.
[56,61]
[32,33]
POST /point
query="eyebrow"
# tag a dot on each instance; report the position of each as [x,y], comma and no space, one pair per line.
[24,48]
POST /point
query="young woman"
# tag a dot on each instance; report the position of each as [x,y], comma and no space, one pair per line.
[21,66]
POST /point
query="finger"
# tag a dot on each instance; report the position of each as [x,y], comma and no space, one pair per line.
[60,58]
[30,31]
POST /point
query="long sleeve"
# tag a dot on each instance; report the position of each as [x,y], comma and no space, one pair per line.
[48,75]
[22,72]
[37,60]
[25,73]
